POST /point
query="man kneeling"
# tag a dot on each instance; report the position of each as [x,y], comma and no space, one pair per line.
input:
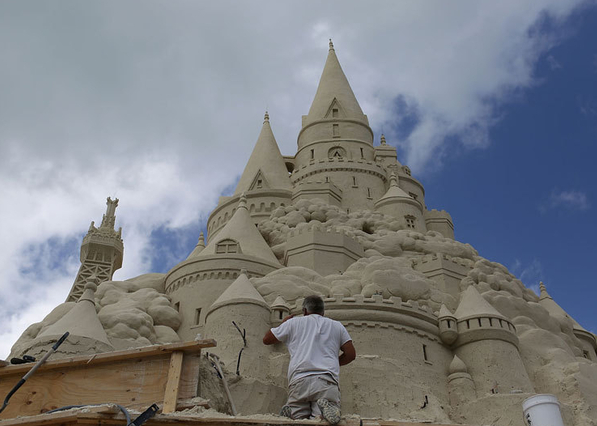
[314,343]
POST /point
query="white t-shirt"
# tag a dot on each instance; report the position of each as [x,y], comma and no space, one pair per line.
[314,344]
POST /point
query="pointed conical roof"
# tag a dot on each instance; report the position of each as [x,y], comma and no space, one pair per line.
[473,305]
[394,193]
[265,161]
[240,291]
[334,86]
[457,366]
[199,247]
[243,231]
[280,303]
[553,308]
[81,320]
[445,312]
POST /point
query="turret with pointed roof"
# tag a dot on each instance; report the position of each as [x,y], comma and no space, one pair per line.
[334,91]
[485,334]
[397,203]
[197,282]
[266,168]
[265,183]
[244,305]
[335,143]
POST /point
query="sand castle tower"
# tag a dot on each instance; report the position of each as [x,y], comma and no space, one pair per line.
[101,252]
[87,334]
[397,203]
[461,387]
[243,304]
[280,310]
[196,283]
[335,144]
[265,182]
[488,345]
[587,339]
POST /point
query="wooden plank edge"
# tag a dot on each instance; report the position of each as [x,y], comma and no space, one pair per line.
[107,357]
[61,416]
[171,392]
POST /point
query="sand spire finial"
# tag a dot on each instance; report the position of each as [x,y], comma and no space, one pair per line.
[266,117]
[543,294]
[242,203]
[201,239]
[243,272]
[393,179]
[331,45]
[383,139]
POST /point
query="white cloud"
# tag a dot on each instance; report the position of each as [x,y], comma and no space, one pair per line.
[530,274]
[575,200]
[553,63]
[160,105]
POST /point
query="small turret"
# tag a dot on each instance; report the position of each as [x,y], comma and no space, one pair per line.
[447,326]
[280,310]
[461,387]
[440,221]
[397,203]
[386,154]
[240,305]
[488,345]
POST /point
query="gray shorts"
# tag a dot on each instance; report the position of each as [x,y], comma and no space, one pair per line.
[304,393]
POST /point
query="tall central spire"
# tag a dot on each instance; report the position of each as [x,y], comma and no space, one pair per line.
[333,85]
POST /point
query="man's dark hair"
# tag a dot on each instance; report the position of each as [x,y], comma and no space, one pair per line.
[313,304]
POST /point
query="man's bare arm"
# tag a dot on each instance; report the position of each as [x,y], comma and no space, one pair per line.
[348,353]
[269,338]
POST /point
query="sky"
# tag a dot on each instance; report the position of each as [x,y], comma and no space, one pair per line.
[493,106]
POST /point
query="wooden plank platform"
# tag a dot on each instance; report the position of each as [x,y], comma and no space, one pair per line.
[134,378]
[106,415]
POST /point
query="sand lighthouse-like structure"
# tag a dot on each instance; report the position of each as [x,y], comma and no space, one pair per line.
[443,335]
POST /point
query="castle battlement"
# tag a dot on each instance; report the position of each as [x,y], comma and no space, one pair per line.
[376,311]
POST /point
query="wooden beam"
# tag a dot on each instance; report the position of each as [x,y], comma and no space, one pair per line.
[171,394]
[110,357]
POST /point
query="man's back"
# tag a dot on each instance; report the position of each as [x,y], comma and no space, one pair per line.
[314,343]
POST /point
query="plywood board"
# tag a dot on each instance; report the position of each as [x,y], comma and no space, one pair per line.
[136,378]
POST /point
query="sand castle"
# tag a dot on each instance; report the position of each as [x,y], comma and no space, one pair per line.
[442,334]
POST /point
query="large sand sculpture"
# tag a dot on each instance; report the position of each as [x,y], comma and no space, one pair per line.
[442,334]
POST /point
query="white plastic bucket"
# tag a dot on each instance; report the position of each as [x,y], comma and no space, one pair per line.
[542,410]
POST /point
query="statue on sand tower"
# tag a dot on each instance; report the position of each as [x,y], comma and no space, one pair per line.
[444,335]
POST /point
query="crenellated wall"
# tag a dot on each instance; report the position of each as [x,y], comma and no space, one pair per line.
[260,204]
[361,181]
